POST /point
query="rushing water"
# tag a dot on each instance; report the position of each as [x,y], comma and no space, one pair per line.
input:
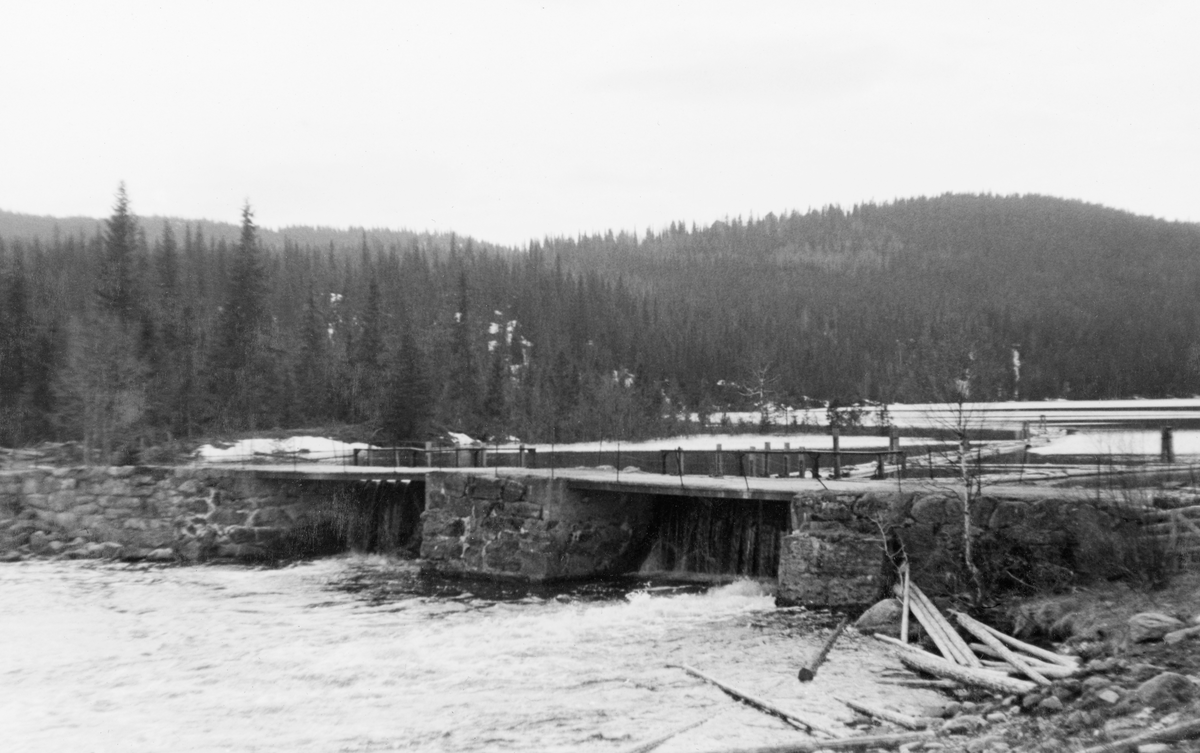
[362,654]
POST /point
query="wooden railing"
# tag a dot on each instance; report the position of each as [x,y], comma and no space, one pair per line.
[768,462]
[752,462]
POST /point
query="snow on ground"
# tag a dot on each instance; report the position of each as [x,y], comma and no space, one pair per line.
[733,442]
[1120,442]
[310,448]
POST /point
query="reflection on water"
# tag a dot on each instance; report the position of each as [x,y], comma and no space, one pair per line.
[363,654]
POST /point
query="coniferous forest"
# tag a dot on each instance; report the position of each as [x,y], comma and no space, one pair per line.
[128,333]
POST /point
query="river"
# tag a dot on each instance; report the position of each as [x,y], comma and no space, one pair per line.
[361,653]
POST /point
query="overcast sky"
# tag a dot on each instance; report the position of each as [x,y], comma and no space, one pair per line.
[509,121]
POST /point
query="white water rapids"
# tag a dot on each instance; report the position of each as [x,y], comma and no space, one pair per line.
[107,657]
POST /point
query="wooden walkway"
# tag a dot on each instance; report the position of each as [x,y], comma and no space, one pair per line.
[638,482]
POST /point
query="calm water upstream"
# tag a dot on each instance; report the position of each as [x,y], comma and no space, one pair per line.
[360,654]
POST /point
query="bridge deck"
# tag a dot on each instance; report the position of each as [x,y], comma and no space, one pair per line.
[633,482]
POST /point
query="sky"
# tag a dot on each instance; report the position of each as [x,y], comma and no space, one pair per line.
[510,121]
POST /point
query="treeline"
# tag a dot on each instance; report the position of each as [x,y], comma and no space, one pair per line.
[124,343]
[149,330]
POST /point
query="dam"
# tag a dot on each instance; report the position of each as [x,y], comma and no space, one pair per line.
[821,542]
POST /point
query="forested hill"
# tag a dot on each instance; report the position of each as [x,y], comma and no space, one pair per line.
[883,301]
[131,330]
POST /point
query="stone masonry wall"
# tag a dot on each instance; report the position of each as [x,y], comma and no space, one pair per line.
[530,528]
[138,512]
[836,553]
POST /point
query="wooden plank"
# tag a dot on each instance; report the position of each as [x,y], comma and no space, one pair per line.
[809,670]
[890,740]
[975,627]
[1053,671]
[887,715]
[923,661]
[1041,653]
[943,634]
[1185,731]
[761,705]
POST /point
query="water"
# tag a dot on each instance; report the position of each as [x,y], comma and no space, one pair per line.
[362,654]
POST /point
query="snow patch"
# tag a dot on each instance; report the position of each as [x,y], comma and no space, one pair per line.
[311,448]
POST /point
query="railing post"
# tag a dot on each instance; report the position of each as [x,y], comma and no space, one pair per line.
[837,455]
[766,459]
[893,439]
[428,454]
[816,461]
[521,456]
[787,459]
[1168,444]
[720,462]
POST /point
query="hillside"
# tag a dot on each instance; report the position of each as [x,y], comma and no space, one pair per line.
[120,331]
[873,302]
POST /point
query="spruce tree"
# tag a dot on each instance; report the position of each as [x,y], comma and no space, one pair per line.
[241,364]
[409,405]
[117,287]
[463,383]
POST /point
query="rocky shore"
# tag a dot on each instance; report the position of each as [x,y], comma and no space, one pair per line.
[1138,677]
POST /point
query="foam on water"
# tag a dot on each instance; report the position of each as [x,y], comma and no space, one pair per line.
[109,658]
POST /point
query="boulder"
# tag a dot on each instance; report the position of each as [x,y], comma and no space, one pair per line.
[1166,689]
[883,617]
[39,542]
[963,725]
[1151,626]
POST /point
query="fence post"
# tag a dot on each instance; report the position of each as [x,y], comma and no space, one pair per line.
[428,454]
[679,459]
[1168,444]
[893,439]
[766,459]
[837,455]
[787,459]
[720,462]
